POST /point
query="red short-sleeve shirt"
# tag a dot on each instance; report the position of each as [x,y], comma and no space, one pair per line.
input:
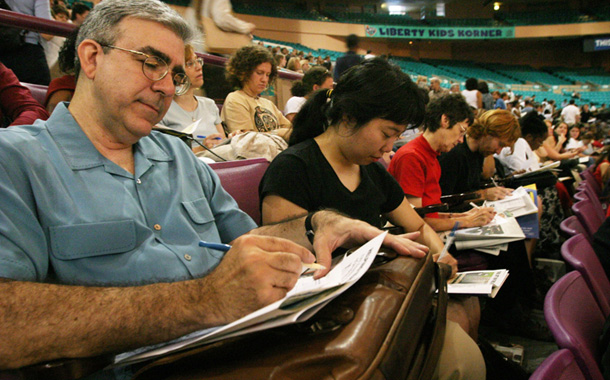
[415,166]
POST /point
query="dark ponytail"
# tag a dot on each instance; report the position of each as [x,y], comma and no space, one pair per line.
[311,121]
[373,89]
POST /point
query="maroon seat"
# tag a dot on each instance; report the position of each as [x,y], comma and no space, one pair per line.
[576,321]
[571,226]
[578,252]
[560,365]
[589,215]
[241,179]
[39,92]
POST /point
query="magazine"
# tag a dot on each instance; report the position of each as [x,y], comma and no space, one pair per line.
[484,282]
[519,203]
[544,168]
[306,298]
[501,227]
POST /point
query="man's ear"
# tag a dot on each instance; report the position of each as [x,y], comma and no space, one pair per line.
[444,121]
[89,52]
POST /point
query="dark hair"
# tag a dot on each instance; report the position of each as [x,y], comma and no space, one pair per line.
[245,60]
[472,84]
[314,76]
[78,9]
[371,90]
[533,124]
[453,106]
[67,53]
[351,41]
[59,9]
[483,87]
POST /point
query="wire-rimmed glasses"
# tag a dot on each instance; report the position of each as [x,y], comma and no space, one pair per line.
[192,62]
[155,69]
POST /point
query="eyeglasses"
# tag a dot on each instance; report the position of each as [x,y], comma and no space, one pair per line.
[192,62]
[155,69]
[463,129]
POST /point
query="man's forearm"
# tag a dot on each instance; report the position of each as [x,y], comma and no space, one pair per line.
[41,322]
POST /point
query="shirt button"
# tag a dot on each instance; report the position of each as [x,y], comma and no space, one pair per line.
[157,227]
[138,181]
[187,257]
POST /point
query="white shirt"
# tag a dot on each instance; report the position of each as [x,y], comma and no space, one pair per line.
[471,97]
[569,114]
[574,144]
[206,112]
[522,158]
[294,105]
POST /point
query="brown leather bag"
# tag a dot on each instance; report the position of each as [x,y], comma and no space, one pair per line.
[389,325]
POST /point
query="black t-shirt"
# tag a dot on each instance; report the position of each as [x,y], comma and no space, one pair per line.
[460,170]
[302,175]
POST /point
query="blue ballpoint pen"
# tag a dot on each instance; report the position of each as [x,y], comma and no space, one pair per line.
[449,241]
[226,247]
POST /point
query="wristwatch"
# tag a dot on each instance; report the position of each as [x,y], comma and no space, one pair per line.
[309,232]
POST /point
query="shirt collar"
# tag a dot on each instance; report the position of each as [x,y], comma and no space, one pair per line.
[79,151]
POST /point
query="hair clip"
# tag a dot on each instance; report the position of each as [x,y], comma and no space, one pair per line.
[329,92]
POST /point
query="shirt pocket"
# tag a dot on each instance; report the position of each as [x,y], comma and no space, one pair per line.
[79,241]
[199,211]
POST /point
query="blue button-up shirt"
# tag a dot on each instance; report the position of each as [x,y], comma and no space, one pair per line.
[70,215]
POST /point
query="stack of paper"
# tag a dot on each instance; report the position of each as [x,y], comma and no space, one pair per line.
[492,237]
[519,203]
[485,282]
[306,298]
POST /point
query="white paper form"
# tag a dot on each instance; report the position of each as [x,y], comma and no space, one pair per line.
[307,294]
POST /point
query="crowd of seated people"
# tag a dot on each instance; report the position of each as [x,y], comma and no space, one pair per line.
[335,137]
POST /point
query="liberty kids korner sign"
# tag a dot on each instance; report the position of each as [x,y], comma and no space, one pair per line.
[440,33]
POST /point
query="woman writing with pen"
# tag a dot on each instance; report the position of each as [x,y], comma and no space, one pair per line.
[187,108]
[331,163]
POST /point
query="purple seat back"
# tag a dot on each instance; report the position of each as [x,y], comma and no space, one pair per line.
[588,215]
[589,179]
[571,226]
[578,252]
[560,365]
[39,92]
[576,321]
[589,193]
[241,179]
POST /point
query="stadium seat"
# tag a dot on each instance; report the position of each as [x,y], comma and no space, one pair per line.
[39,92]
[571,226]
[578,252]
[560,365]
[588,176]
[576,321]
[241,179]
[588,215]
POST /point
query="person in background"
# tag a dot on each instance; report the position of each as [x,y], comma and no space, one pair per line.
[53,45]
[331,163]
[187,108]
[436,91]
[294,64]
[29,62]
[488,99]
[349,59]
[251,69]
[280,60]
[315,79]
[574,142]
[499,103]
[585,113]
[79,12]
[61,89]
[473,96]
[17,106]
[570,114]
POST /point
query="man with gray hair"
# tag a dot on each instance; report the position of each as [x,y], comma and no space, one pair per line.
[436,91]
[101,216]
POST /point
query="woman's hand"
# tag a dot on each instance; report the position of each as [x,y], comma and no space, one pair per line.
[478,217]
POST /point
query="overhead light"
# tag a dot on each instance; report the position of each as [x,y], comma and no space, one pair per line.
[497,6]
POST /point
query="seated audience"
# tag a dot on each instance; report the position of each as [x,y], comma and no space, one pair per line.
[338,137]
[79,12]
[294,64]
[461,170]
[187,108]
[487,98]
[436,91]
[522,158]
[53,45]
[101,215]
[552,145]
[61,89]
[251,69]
[17,106]
[415,165]
[473,96]
[574,143]
[316,78]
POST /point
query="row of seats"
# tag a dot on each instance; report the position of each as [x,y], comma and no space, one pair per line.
[578,304]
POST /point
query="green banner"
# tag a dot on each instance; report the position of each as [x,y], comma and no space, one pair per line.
[438,33]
